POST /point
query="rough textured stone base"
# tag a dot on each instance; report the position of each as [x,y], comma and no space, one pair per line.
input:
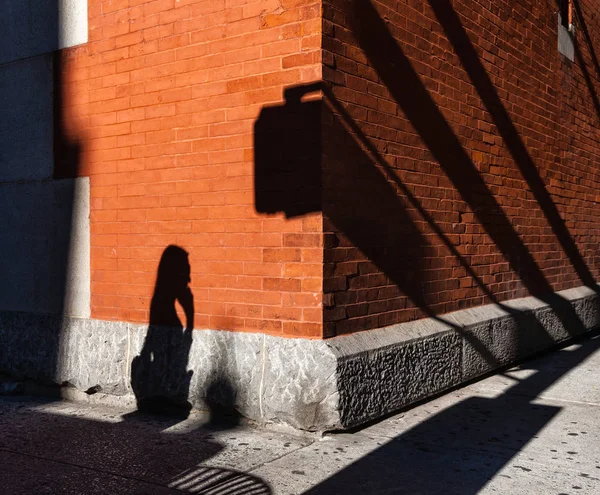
[309,384]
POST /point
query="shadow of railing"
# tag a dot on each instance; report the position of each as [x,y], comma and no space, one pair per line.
[220,481]
[403,83]
[464,49]
[358,194]
[374,215]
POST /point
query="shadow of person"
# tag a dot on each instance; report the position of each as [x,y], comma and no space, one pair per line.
[159,376]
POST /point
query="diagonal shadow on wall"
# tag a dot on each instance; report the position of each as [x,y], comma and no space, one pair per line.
[361,197]
[356,205]
[396,72]
[464,49]
[404,84]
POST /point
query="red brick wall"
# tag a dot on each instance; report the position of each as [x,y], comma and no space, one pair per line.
[460,156]
[163,99]
[458,163]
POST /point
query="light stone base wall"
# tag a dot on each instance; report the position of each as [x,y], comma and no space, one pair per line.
[309,384]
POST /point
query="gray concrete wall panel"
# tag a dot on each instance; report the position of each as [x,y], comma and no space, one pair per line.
[44,253]
[26,127]
[29,28]
[35,27]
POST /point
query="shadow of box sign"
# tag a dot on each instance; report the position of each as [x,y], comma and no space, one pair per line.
[287,147]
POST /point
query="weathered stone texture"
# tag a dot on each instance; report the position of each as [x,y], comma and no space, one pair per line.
[310,384]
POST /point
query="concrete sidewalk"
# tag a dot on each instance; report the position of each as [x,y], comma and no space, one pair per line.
[533,429]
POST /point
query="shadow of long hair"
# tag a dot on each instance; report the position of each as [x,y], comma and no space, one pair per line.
[159,376]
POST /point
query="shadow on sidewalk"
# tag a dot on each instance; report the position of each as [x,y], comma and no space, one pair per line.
[462,448]
[46,452]
[456,451]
